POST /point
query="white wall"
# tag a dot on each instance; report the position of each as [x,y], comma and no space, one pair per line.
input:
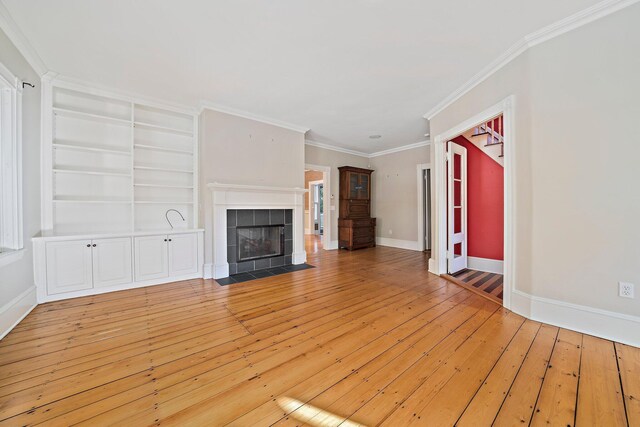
[334,159]
[395,193]
[576,151]
[235,150]
[16,279]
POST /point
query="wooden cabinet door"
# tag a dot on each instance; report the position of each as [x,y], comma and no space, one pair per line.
[150,257]
[112,262]
[68,266]
[363,191]
[183,254]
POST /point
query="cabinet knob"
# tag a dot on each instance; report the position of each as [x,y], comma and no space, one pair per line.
[169,239]
[94,245]
[88,245]
[165,240]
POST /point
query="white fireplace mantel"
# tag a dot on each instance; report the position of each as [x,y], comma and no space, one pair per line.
[239,196]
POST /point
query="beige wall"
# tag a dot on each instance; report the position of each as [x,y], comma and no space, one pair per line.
[576,151]
[395,193]
[235,150]
[17,277]
[334,159]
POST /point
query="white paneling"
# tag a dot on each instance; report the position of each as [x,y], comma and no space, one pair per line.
[150,257]
[183,254]
[112,261]
[69,266]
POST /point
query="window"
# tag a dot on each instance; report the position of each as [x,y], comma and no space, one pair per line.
[11,240]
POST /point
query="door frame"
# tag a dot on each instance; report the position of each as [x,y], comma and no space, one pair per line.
[310,196]
[438,262]
[420,168]
[328,197]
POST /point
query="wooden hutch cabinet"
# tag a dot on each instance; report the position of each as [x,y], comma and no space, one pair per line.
[356,228]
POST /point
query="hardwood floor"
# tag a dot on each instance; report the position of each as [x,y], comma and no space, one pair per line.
[481,282]
[368,337]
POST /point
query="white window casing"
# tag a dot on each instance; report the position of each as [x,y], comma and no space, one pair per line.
[11,227]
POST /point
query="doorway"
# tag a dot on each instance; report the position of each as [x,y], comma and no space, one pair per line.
[423,173]
[451,241]
[317,209]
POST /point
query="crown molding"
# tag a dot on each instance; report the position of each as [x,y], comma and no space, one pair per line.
[73,83]
[336,148]
[549,32]
[205,105]
[19,40]
[363,154]
[402,148]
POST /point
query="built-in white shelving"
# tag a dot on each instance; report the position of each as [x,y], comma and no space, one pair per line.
[113,163]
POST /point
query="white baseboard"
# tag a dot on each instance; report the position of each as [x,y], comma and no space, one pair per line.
[485,264]
[299,257]
[220,271]
[17,309]
[397,243]
[207,271]
[606,324]
[332,245]
[433,266]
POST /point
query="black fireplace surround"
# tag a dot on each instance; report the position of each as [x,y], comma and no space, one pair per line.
[258,239]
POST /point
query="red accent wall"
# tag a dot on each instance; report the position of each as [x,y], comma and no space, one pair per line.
[485,203]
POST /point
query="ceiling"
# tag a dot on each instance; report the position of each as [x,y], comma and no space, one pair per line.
[345,69]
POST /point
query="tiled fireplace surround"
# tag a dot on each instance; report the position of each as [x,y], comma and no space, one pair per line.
[248,217]
[261,199]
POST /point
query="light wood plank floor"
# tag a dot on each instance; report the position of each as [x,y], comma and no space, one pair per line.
[368,337]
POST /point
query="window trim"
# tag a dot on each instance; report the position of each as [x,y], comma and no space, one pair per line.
[11,220]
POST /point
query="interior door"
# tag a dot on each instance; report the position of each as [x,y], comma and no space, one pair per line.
[112,262]
[457,207]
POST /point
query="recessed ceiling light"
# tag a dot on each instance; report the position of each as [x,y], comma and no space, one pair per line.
[375,136]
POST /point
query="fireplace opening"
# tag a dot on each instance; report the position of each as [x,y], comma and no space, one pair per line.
[257,242]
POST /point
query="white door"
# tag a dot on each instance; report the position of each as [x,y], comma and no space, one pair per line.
[111,262]
[457,207]
[68,266]
[150,257]
[183,254]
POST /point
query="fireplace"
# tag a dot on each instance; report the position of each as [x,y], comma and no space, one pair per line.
[239,205]
[258,242]
[258,239]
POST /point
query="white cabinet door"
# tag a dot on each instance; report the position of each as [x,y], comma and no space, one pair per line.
[183,254]
[68,266]
[111,261]
[150,257]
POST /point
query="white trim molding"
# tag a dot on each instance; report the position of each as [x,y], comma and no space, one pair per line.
[583,17]
[367,155]
[606,324]
[401,148]
[335,148]
[206,105]
[21,43]
[17,309]
[507,108]
[397,243]
[485,264]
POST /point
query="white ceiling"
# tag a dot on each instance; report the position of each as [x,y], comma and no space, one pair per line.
[345,69]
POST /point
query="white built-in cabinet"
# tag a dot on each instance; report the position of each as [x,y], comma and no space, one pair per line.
[166,255]
[84,264]
[72,266]
[112,167]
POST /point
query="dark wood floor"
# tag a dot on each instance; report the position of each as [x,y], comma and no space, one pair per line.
[368,337]
[482,282]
